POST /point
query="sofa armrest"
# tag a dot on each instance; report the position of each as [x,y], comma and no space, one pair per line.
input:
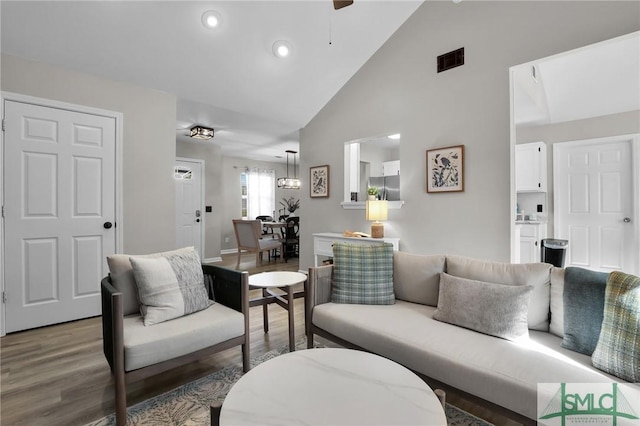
[318,285]
[317,290]
[112,323]
[229,287]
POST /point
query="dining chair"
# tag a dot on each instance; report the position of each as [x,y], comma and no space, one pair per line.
[248,233]
[291,237]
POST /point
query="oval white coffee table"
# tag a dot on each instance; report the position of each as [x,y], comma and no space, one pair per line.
[331,387]
[285,281]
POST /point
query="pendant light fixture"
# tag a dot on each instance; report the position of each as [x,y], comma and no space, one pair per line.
[290,182]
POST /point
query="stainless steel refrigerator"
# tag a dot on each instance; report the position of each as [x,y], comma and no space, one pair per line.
[389,186]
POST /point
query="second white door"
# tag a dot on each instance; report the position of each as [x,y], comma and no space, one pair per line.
[189,205]
[594,203]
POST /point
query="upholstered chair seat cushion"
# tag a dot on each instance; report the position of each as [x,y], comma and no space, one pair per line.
[144,346]
[269,243]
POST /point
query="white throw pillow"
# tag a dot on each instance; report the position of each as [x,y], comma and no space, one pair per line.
[169,286]
[123,280]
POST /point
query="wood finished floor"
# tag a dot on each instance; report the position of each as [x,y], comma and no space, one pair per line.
[58,375]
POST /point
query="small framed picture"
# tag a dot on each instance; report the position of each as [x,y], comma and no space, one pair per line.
[445,169]
[319,178]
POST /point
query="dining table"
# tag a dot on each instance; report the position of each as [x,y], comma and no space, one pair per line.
[275,226]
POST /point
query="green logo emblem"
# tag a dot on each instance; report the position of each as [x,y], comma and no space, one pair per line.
[587,405]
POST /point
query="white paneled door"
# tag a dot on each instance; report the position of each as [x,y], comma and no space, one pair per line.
[59,207]
[594,203]
[189,216]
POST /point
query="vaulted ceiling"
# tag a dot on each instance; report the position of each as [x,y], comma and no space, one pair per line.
[227,78]
[594,81]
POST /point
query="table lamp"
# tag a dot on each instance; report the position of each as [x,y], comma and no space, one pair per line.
[377,211]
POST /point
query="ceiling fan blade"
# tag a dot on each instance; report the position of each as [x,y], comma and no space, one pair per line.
[339,4]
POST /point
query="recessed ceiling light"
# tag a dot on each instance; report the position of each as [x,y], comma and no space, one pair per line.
[282,49]
[394,136]
[211,19]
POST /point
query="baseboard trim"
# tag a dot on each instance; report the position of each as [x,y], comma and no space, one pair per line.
[213,260]
[229,251]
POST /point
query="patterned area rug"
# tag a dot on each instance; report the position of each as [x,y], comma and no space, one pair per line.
[189,404]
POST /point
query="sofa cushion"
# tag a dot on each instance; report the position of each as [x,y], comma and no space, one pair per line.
[169,286]
[416,278]
[556,325]
[363,274]
[533,274]
[123,280]
[583,308]
[618,349]
[496,309]
[479,364]
[145,346]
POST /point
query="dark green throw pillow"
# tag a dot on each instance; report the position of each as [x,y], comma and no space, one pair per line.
[363,274]
[583,301]
[618,349]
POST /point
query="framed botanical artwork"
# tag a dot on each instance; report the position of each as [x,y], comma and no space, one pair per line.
[445,169]
[319,178]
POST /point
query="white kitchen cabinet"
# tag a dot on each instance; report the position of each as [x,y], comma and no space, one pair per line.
[531,167]
[530,236]
[391,168]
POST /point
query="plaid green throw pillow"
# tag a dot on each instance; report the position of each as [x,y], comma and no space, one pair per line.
[618,348]
[363,274]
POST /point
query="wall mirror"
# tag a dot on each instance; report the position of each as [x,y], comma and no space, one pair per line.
[582,108]
[368,162]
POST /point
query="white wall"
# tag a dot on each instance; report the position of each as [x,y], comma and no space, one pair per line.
[148,142]
[399,91]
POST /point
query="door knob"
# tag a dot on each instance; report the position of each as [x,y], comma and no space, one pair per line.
[107,225]
[626,220]
[198,220]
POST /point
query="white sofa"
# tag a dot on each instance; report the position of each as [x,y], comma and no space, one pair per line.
[500,372]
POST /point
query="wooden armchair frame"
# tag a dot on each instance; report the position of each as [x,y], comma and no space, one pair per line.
[231,288]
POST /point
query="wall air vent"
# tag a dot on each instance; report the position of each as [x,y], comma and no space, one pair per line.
[450,60]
